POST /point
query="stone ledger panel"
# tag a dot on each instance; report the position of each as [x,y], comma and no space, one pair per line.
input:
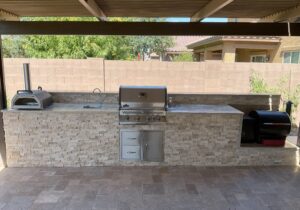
[91,138]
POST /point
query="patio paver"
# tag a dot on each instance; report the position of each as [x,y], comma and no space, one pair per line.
[150,188]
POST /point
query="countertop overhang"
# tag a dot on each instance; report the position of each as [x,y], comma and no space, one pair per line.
[180,108]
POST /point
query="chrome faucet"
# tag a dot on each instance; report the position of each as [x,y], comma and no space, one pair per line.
[101,99]
[97,89]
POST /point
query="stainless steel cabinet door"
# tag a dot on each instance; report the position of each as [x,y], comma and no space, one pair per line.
[153,148]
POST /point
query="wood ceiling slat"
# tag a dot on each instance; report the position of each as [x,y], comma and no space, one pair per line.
[255,8]
[146,8]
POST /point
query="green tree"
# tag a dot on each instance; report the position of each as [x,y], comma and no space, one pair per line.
[184,57]
[13,47]
[259,85]
[109,47]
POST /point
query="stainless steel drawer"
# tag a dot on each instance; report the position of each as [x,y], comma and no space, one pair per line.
[131,152]
[130,138]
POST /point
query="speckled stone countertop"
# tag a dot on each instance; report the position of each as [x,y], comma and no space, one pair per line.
[180,108]
[200,109]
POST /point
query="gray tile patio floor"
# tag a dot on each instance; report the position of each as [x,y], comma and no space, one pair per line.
[255,188]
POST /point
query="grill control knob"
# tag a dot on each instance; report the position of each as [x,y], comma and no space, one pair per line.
[127,118]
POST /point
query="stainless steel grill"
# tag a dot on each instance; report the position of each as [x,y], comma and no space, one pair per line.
[142,104]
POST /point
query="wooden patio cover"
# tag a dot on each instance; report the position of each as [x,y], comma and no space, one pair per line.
[277,12]
[267,10]
[273,18]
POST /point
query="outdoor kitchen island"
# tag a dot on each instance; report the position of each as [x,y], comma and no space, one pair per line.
[67,134]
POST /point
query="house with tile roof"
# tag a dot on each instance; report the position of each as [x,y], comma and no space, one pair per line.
[230,49]
[180,46]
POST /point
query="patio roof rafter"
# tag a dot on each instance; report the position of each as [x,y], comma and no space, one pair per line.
[94,9]
[209,9]
[6,15]
[281,16]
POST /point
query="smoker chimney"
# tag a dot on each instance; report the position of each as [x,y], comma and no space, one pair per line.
[289,107]
[27,77]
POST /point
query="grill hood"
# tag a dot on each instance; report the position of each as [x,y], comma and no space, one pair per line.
[143,97]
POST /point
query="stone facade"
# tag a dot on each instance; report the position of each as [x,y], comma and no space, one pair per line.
[61,138]
[242,102]
[91,138]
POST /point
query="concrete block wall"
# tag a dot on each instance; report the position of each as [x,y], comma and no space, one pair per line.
[55,74]
[84,75]
[71,75]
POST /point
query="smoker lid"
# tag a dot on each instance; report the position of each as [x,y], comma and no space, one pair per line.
[270,116]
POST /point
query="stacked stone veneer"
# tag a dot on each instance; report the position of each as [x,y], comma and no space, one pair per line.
[242,102]
[91,138]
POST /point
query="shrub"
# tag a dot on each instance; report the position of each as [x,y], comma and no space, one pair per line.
[259,85]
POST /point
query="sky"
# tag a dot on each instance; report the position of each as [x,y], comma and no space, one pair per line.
[205,20]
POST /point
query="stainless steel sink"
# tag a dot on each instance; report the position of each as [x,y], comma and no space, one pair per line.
[100,106]
[94,106]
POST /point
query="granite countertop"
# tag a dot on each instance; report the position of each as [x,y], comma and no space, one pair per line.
[68,107]
[180,108]
[200,109]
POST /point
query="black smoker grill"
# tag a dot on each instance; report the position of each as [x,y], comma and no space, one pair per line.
[270,128]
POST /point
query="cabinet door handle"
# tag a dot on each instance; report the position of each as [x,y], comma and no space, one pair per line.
[146,146]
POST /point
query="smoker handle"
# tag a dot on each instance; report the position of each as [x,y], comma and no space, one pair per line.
[277,124]
[23,91]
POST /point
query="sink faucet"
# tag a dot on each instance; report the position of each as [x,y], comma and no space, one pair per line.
[101,99]
[97,89]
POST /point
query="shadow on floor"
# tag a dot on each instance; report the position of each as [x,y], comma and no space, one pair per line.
[3,162]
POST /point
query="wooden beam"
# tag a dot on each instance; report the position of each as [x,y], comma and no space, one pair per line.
[5,15]
[282,16]
[295,29]
[209,9]
[144,28]
[94,9]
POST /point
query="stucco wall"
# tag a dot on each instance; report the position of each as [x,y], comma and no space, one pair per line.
[244,55]
[287,43]
[245,49]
